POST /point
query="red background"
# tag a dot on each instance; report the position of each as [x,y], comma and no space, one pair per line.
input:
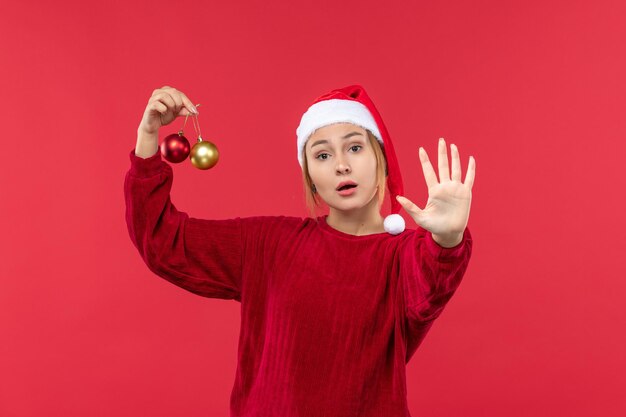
[533,90]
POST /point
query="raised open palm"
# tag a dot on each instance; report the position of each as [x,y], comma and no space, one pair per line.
[448,206]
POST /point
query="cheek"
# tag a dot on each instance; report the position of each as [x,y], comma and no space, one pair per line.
[369,169]
[313,173]
[317,176]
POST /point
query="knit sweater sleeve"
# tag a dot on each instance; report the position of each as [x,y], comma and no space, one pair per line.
[201,256]
[430,275]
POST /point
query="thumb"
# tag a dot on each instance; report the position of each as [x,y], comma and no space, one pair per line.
[414,211]
[184,112]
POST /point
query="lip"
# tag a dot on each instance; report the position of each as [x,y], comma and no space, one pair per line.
[342,183]
[349,191]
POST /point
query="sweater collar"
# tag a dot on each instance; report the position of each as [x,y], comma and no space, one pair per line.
[321,221]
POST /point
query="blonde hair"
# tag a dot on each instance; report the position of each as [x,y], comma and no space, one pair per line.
[312,199]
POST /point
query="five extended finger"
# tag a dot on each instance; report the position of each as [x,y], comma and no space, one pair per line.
[471,172]
[427,168]
[456,163]
[444,169]
[408,205]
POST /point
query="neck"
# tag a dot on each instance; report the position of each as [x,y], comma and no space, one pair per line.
[361,221]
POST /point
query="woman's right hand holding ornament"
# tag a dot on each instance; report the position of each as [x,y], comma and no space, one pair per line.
[164,106]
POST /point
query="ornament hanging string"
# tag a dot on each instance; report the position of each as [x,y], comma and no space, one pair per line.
[175,147]
[182,129]
[196,122]
[204,154]
[194,125]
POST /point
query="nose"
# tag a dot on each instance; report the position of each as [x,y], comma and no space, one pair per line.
[342,166]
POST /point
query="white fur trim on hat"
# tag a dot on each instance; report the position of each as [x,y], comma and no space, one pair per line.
[332,111]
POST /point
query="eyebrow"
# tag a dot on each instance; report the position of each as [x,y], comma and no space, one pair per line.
[319,142]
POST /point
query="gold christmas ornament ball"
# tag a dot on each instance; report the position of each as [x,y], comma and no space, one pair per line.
[204,155]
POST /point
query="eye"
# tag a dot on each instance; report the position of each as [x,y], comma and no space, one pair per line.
[324,153]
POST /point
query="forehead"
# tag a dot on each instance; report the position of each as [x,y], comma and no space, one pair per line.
[335,130]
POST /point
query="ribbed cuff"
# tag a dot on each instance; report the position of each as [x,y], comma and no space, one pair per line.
[145,167]
[443,254]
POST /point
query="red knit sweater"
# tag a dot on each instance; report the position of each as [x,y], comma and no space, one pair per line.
[328,319]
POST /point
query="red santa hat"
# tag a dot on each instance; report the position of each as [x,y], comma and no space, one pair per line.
[351,104]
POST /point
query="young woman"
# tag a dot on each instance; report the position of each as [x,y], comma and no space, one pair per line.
[333,306]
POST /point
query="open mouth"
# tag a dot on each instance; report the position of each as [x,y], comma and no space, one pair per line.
[346,187]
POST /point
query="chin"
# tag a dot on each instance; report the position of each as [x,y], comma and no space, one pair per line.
[349,205]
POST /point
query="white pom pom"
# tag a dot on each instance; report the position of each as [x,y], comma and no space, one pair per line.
[394,224]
